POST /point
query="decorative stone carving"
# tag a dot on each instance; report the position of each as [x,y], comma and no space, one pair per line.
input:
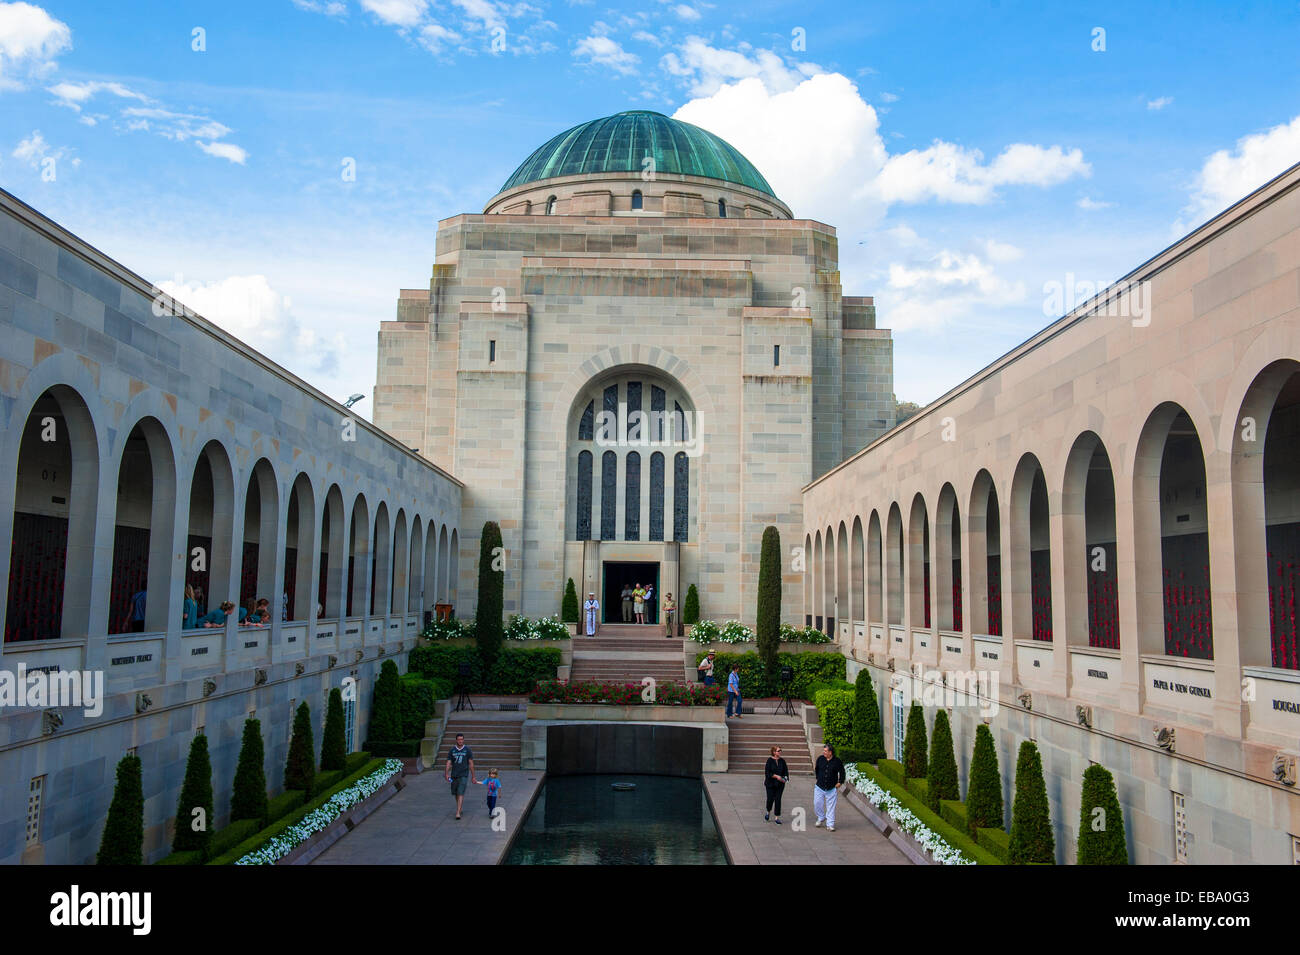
[334,661]
[142,702]
[381,650]
[401,645]
[1284,768]
[1084,715]
[891,664]
[299,668]
[259,677]
[209,687]
[51,720]
[1165,738]
[361,655]
[1027,700]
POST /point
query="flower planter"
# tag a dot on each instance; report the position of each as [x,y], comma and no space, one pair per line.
[340,827]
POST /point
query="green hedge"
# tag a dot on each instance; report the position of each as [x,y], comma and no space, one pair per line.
[277,807]
[189,857]
[920,787]
[835,713]
[517,669]
[258,838]
[810,669]
[950,834]
[418,696]
[893,769]
[954,813]
[395,747]
[996,842]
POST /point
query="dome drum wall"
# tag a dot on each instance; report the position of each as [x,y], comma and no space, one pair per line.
[609,195]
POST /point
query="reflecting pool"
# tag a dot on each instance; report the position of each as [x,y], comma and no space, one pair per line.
[584,820]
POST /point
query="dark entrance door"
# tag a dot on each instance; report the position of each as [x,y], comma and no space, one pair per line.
[618,573]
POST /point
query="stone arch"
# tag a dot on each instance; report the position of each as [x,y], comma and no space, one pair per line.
[143,552]
[211,529]
[1089,539]
[947,560]
[401,558]
[381,562]
[858,573]
[895,561]
[1030,584]
[875,568]
[260,534]
[918,563]
[983,537]
[300,537]
[415,575]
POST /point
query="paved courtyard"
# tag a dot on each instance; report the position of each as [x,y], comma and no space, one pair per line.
[418,826]
[738,806]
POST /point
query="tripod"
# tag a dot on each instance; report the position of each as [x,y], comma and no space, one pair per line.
[463,700]
[786,706]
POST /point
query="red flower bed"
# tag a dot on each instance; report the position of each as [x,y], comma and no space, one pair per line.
[627,694]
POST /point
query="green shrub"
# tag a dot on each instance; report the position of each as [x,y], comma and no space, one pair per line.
[920,788]
[810,669]
[691,607]
[355,761]
[488,622]
[248,794]
[441,662]
[327,779]
[892,769]
[418,698]
[223,840]
[182,858]
[942,770]
[835,712]
[569,606]
[386,705]
[196,794]
[1031,825]
[1101,834]
[333,745]
[277,807]
[984,792]
[397,747]
[867,734]
[851,755]
[994,841]
[123,840]
[915,757]
[518,669]
[954,813]
[959,840]
[767,630]
[300,766]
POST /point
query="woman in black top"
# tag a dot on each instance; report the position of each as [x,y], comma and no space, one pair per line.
[775,775]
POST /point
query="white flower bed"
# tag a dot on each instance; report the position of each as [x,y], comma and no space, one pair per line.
[930,841]
[318,820]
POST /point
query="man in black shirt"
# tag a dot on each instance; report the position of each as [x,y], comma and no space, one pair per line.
[460,770]
[826,793]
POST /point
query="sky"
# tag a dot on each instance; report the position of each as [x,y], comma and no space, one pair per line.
[280,166]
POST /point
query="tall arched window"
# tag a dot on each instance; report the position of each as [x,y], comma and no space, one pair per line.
[608,495]
[550,206]
[583,528]
[636,199]
[681,497]
[656,496]
[632,498]
[722,208]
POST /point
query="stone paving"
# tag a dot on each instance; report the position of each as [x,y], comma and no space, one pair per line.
[418,826]
[738,806]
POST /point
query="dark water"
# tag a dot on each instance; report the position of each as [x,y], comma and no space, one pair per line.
[581,820]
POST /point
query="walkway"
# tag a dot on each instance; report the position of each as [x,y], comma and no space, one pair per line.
[738,806]
[418,826]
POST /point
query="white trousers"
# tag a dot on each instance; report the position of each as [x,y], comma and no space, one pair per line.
[824,804]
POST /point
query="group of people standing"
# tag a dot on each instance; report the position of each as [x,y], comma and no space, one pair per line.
[256,612]
[638,605]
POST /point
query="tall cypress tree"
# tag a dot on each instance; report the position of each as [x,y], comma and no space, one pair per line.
[333,747]
[194,831]
[768,631]
[915,759]
[868,738]
[300,767]
[569,606]
[248,795]
[1101,821]
[386,706]
[123,840]
[942,775]
[488,626]
[984,794]
[1031,837]
[691,607]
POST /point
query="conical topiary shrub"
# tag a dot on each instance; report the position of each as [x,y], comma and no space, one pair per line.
[941,778]
[333,747]
[123,840]
[489,628]
[868,738]
[386,707]
[916,762]
[248,795]
[984,794]
[1031,837]
[768,627]
[691,607]
[300,767]
[1101,821]
[194,811]
[569,606]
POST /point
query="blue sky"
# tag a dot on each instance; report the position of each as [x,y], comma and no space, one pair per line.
[967,154]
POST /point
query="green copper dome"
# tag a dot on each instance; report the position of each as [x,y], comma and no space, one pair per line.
[620,143]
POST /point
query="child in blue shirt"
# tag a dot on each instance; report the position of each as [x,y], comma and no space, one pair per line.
[493,784]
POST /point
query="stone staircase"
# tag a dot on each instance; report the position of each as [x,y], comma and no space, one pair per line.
[493,735]
[750,741]
[626,653]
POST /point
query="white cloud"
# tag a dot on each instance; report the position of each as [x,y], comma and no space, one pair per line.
[436,38]
[641,36]
[606,52]
[1231,175]
[235,154]
[175,126]
[888,97]
[1090,204]
[1159,103]
[251,310]
[331,8]
[397,13]
[947,172]
[706,68]
[34,151]
[1002,252]
[482,13]
[76,95]
[30,39]
[686,12]
[945,288]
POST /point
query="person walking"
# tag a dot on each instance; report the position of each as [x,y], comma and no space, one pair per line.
[638,603]
[493,786]
[670,608]
[590,609]
[826,791]
[706,669]
[460,770]
[775,775]
[733,692]
[627,603]
[136,619]
[190,617]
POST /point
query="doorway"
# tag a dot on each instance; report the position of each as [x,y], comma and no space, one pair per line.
[631,573]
